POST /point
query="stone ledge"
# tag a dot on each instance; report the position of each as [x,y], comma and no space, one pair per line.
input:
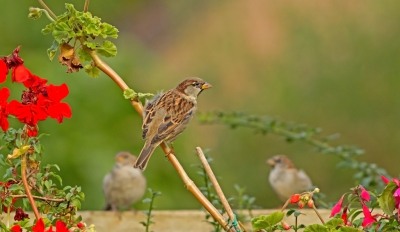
[174,220]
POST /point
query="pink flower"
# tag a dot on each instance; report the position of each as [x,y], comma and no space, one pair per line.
[368,218]
[336,209]
[364,194]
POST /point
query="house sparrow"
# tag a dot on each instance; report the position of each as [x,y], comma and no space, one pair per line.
[124,185]
[285,179]
[167,115]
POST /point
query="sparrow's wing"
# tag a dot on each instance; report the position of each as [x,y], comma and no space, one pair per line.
[304,180]
[167,113]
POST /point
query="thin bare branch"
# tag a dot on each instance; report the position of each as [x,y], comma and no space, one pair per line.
[48,9]
[216,185]
[26,186]
[86,7]
[40,198]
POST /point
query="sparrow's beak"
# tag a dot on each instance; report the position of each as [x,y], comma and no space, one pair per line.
[206,86]
[271,162]
[119,158]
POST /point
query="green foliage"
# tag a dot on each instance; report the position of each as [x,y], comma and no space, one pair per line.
[386,200]
[267,222]
[80,28]
[57,202]
[153,194]
[367,174]
[131,94]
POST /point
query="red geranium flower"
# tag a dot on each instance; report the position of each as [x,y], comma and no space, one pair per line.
[295,198]
[35,83]
[20,73]
[39,226]
[3,71]
[56,109]
[4,94]
[29,114]
[16,228]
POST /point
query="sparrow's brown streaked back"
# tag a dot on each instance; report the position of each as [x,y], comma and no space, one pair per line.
[166,116]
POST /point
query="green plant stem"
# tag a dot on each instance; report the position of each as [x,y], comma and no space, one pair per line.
[319,215]
[86,7]
[26,186]
[48,10]
[149,215]
[295,224]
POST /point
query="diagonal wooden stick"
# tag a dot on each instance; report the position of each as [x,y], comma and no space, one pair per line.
[216,185]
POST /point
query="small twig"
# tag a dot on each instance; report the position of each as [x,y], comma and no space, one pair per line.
[26,186]
[285,205]
[215,183]
[40,198]
[86,7]
[319,215]
[48,9]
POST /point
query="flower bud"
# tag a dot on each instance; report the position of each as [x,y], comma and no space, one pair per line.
[294,198]
[285,225]
[310,203]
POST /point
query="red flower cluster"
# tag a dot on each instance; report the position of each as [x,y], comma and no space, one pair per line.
[364,196]
[7,185]
[38,101]
[40,227]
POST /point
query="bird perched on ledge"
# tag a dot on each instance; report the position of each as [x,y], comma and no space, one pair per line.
[166,116]
[124,185]
[285,179]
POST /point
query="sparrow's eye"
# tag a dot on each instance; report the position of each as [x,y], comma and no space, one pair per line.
[196,84]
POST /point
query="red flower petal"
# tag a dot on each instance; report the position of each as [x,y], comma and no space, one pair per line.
[20,73]
[295,198]
[4,94]
[39,227]
[61,227]
[3,71]
[29,114]
[57,93]
[16,228]
[35,83]
[59,111]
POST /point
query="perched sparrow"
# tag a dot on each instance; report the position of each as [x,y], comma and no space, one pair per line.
[285,179]
[124,185]
[167,115]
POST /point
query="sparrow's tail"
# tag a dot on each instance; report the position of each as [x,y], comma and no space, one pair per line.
[144,156]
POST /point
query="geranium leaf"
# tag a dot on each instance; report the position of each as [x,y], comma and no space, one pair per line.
[316,228]
[107,49]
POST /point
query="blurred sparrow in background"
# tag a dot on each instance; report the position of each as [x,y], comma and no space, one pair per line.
[124,185]
[285,179]
[167,115]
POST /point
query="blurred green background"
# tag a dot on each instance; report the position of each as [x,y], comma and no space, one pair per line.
[329,64]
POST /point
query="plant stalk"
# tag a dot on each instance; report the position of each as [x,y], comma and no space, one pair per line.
[48,9]
[26,186]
